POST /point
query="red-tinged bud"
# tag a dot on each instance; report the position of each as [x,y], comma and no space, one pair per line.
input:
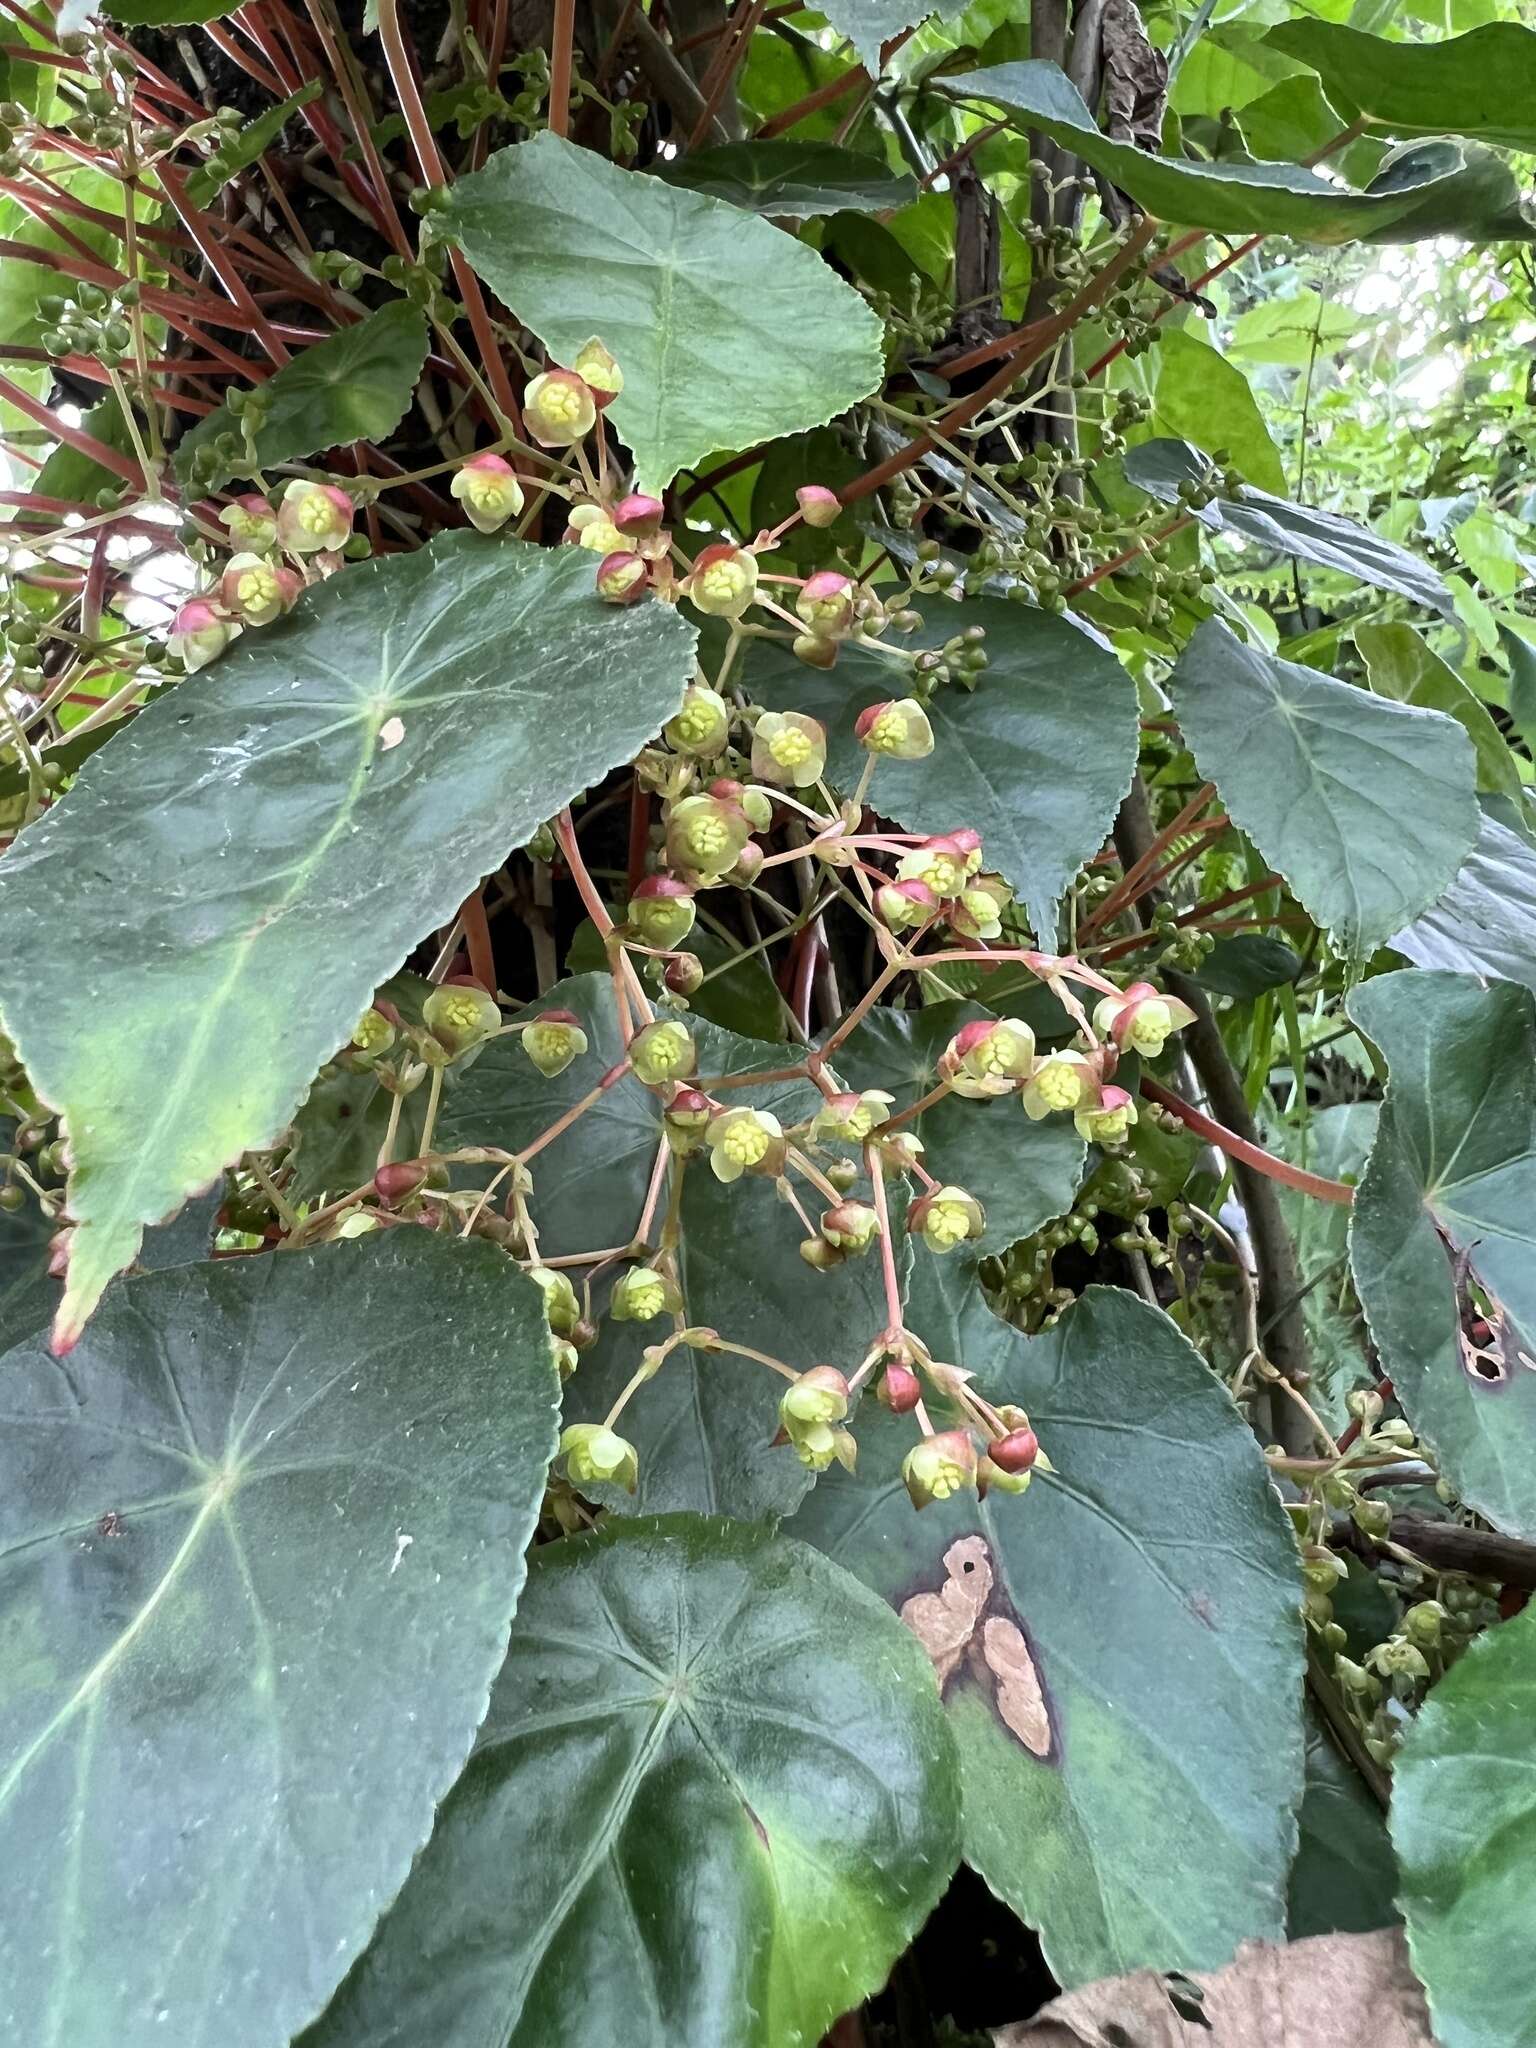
[251,521]
[703,724]
[684,974]
[559,409]
[662,911]
[724,581]
[851,1226]
[818,505]
[825,603]
[747,866]
[622,578]
[313,517]
[200,633]
[899,729]
[1016,1451]
[901,905]
[789,749]
[58,1254]
[968,839]
[599,371]
[939,1467]
[900,1389]
[638,514]
[727,789]
[814,651]
[256,590]
[487,487]
[394,1182]
[553,1040]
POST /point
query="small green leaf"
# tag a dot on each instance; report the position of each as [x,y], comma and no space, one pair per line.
[1482,84]
[1160,467]
[1292,330]
[260,1546]
[1024,1173]
[1204,399]
[245,863]
[1403,666]
[1036,758]
[712,1801]
[1464,1822]
[1091,1634]
[791,178]
[69,474]
[1322,777]
[1485,923]
[774,341]
[1246,965]
[353,386]
[147,13]
[1453,1172]
[239,151]
[1345,1874]
[1249,198]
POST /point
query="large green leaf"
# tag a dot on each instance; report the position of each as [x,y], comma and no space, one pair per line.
[1345,1874]
[1423,193]
[1485,923]
[792,178]
[260,1543]
[1023,1173]
[728,331]
[868,24]
[704,1426]
[1324,777]
[1036,758]
[1203,398]
[1159,467]
[1464,1821]
[201,921]
[1402,665]
[1482,84]
[353,386]
[1122,1646]
[713,1799]
[1454,1171]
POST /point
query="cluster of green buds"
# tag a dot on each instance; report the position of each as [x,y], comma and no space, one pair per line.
[89,322]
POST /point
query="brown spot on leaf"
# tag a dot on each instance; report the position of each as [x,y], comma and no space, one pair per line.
[968,1625]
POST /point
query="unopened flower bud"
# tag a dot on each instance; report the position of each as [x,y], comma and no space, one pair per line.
[900,1389]
[745,1141]
[1424,1622]
[662,1052]
[460,1017]
[559,409]
[947,1218]
[640,1294]
[814,651]
[599,371]
[824,603]
[1062,1080]
[703,724]
[898,729]
[747,866]
[818,505]
[252,522]
[562,1311]
[595,1453]
[686,1122]
[622,578]
[705,835]
[313,517]
[553,1040]
[1016,1451]
[756,803]
[400,1178]
[789,749]
[939,1467]
[257,590]
[851,1226]
[724,581]
[683,974]
[662,911]
[1365,1405]
[638,515]
[1109,1122]
[200,633]
[488,489]
[820,1255]
[902,905]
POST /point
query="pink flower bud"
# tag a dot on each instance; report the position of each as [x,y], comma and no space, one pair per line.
[313,517]
[559,409]
[901,905]
[599,371]
[393,1183]
[747,866]
[825,603]
[638,514]
[900,1389]
[200,633]
[622,579]
[488,489]
[818,505]
[1016,1451]
[684,974]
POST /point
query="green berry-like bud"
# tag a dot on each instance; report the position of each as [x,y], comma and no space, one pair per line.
[662,1052]
[553,1040]
[460,1017]
[594,1453]
[851,1227]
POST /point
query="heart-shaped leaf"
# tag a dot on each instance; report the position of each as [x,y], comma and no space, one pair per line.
[244,864]
[1321,775]
[1092,1635]
[713,1799]
[1464,1822]
[1036,758]
[1452,1183]
[260,1543]
[727,330]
